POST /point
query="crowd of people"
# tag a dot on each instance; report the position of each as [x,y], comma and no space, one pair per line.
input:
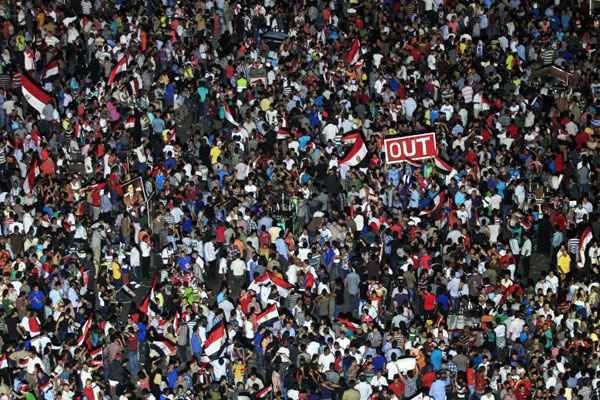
[179,219]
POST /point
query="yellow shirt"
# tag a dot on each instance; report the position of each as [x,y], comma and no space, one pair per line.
[509,62]
[116,270]
[238,372]
[564,263]
[215,152]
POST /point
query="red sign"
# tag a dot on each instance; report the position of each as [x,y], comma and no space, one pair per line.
[409,148]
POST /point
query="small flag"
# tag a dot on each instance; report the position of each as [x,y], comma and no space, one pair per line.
[357,153]
[3,361]
[353,326]
[96,358]
[35,95]
[33,326]
[264,392]
[85,330]
[32,173]
[121,66]
[44,387]
[229,115]
[438,202]
[584,245]
[149,306]
[283,134]
[215,341]
[353,55]
[268,315]
[130,122]
[164,347]
[50,70]
[269,278]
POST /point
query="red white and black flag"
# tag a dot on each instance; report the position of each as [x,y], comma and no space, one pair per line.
[216,340]
[585,242]
[50,70]
[438,202]
[229,115]
[270,314]
[121,66]
[164,347]
[357,153]
[37,97]
[353,55]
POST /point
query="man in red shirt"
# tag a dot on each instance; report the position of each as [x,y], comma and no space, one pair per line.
[429,303]
[397,386]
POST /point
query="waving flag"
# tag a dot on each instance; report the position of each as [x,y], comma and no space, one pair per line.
[85,330]
[584,245]
[35,95]
[50,70]
[96,359]
[353,55]
[32,173]
[149,306]
[130,122]
[34,327]
[229,115]
[357,153]
[164,347]
[353,326]
[269,278]
[121,66]
[215,341]
[264,392]
[438,202]
[270,314]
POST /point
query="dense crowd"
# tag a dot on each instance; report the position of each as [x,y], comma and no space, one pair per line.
[178,219]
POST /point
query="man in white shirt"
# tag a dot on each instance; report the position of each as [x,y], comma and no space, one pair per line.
[364,389]
[326,359]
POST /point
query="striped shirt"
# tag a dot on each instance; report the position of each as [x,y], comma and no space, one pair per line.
[573,245]
[5,81]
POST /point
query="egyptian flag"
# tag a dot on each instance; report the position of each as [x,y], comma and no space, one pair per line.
[585,241]
[129,290]
[245,301]
[85,330]
[44,387]
[283,133]
[353,326]
[264,392]
[37,97]
[121,66]
[50,70]
[438,202]
[35,137]
[229,115]
[3,361]
[32,173]
[443,165]
[164,347]
[33,326]
[357,153]
[270,314]
[130,122]
[216,341]
[150,306]
[353,55]
[269,278]
[96,357]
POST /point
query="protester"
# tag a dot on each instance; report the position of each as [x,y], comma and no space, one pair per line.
[197,204]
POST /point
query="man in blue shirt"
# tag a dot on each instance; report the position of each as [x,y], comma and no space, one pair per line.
[36,299]
[438,387]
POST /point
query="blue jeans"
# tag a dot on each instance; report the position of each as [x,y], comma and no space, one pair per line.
[133,363]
